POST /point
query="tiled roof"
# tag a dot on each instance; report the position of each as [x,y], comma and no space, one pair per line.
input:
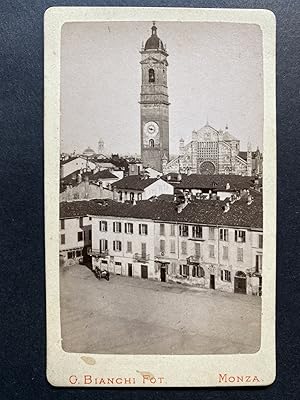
[105,174]
[205,212]
[134,182]
[62,162]
[217,182]
[78,208]
[166,197]
[71,179]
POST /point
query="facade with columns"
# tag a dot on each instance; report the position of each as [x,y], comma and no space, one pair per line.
[210,152]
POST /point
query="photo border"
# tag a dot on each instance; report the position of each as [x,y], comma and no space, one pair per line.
[195,370]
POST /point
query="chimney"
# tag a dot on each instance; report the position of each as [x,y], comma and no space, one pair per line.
[181,206]
[227,186]
[226,207]
[101,190]
[249,199]
[86,187]
[179,177]
[79,178]
[115,194]
[232,198]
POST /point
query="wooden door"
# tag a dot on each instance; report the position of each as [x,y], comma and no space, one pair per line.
[144,271]
[212,282]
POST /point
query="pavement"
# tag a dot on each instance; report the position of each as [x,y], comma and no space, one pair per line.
[136,316]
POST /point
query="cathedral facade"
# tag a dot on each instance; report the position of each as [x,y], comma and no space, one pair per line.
[210,152]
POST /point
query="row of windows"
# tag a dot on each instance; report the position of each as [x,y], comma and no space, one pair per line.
[131,196]
[74,254]
[80,222]
[80,236]
[117,246]
[128,227]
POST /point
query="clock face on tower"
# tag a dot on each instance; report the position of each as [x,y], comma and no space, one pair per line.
[151,128]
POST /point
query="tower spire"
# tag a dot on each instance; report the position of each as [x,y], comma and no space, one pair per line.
[154,28]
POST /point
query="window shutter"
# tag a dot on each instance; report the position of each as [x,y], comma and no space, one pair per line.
[188,270]
[235,236]
[140,229]
[180,269]
[114,245]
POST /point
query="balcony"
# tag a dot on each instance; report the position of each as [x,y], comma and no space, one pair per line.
[141,257]
[99,253]
[193,259]
[161,257]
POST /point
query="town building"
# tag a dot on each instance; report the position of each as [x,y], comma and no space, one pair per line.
[87,184]
[69,165]
[75,230]
[212,187]
[211,152]
[136,187]
[154,102]
[135,167]
[209,244]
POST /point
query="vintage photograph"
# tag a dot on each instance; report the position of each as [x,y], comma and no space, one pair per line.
[160,196]
[161,187]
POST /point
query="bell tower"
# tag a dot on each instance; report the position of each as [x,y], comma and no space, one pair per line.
[154,102]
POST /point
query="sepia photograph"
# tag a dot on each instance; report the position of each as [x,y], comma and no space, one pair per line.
[163,141]
[161,185]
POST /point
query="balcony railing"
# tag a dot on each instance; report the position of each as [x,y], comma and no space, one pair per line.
[99,253]
[161,257]
[141,257]
[193,259]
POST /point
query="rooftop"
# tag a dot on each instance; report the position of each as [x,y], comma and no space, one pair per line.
[134,182]
[202,212]
[217,182]
[105,174]
[154,42]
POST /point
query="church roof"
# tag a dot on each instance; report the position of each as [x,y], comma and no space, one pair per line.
[88,152]
[154,42]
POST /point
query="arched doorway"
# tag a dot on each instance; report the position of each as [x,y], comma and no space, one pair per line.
[240,283]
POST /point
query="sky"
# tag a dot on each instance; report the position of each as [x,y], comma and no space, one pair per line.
[215,73]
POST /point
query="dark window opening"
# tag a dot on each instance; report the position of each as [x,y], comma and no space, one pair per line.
[151,75]
[151,143]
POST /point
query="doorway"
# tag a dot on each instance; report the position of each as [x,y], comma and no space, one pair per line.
[144,271]
[212,284]
[163,274]
[129,269]
[240,283]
